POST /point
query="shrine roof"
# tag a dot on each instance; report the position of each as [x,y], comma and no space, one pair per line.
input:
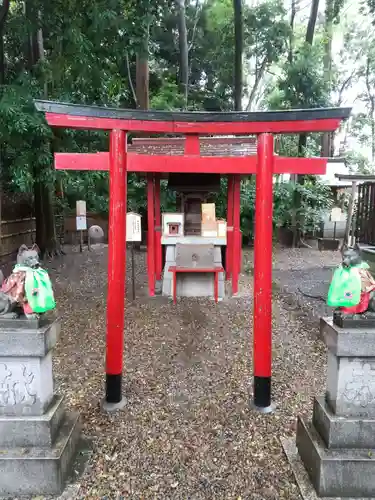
[196,122]
[209,146]
[187,116]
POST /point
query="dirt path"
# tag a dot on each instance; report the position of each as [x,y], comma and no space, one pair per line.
[187,431]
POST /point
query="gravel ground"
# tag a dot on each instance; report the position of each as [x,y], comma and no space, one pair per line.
[187,431]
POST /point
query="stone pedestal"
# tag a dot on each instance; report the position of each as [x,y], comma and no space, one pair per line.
[37,438]
[193,284]
[338,446]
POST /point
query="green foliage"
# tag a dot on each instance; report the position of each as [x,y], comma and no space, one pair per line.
[167,97]
[211,47]
[302,83]
[24,136]
[89,57]
[315,197]
[358,162]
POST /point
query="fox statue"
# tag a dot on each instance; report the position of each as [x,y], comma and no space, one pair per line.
[352,290]
[27,291]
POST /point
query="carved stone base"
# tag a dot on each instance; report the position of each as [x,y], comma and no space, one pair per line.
[338,446]
[38,440]
[39,431]
[347,473]
[40,470]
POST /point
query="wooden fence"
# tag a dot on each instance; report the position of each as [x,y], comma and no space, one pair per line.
[13,234]
[365,214]
[17,224]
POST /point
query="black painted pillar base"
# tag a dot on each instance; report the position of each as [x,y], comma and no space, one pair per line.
[262,394]
[113,393]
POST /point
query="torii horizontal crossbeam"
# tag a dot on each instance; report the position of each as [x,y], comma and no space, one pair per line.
[244,165]
[234,122]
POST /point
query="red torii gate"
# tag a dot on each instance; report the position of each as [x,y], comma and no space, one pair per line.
[192,124]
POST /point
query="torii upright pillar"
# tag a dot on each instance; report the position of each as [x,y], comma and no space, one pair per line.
[262,332]
[116,267]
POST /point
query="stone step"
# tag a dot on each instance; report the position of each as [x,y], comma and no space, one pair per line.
[346,473]
[25,471]
[342,432]
[37,431]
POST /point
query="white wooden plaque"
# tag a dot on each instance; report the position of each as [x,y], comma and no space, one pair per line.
[133,227]
[81,208]
[81,223]
[336,214]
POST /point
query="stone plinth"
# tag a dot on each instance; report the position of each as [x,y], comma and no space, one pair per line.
[38,439]
[338,446]
[192,284]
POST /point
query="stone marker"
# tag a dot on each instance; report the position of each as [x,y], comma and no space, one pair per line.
[38,439]
[338,446]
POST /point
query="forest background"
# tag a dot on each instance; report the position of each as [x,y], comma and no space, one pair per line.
[180,54]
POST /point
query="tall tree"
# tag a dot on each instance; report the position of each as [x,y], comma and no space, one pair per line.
[331,17]
[4,9]
[238,54]
[43,197]
[309,41]
[293,13]
[142,78]
[183,49]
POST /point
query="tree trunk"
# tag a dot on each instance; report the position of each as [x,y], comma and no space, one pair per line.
[4,9]
[142,73]
[309,39]
[43,198]
[238,51]
[302,141]
[371,98]
[312,22]
[291,35]
[328,137]
[350,213]
[258,78]
[184,50]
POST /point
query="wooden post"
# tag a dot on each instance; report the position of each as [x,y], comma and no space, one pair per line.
[116,269]
[262,323]
[151,235]
[236,250]
[350,213]
[158,231]
[133,270]
[228,259]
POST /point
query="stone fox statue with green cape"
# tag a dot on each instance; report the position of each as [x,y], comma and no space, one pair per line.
[352,290]
[28,290]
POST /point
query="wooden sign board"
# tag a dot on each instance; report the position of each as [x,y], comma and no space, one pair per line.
[81,223]
[81,208]
[133,227]
[208,213]
[336,214]
[222,228]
